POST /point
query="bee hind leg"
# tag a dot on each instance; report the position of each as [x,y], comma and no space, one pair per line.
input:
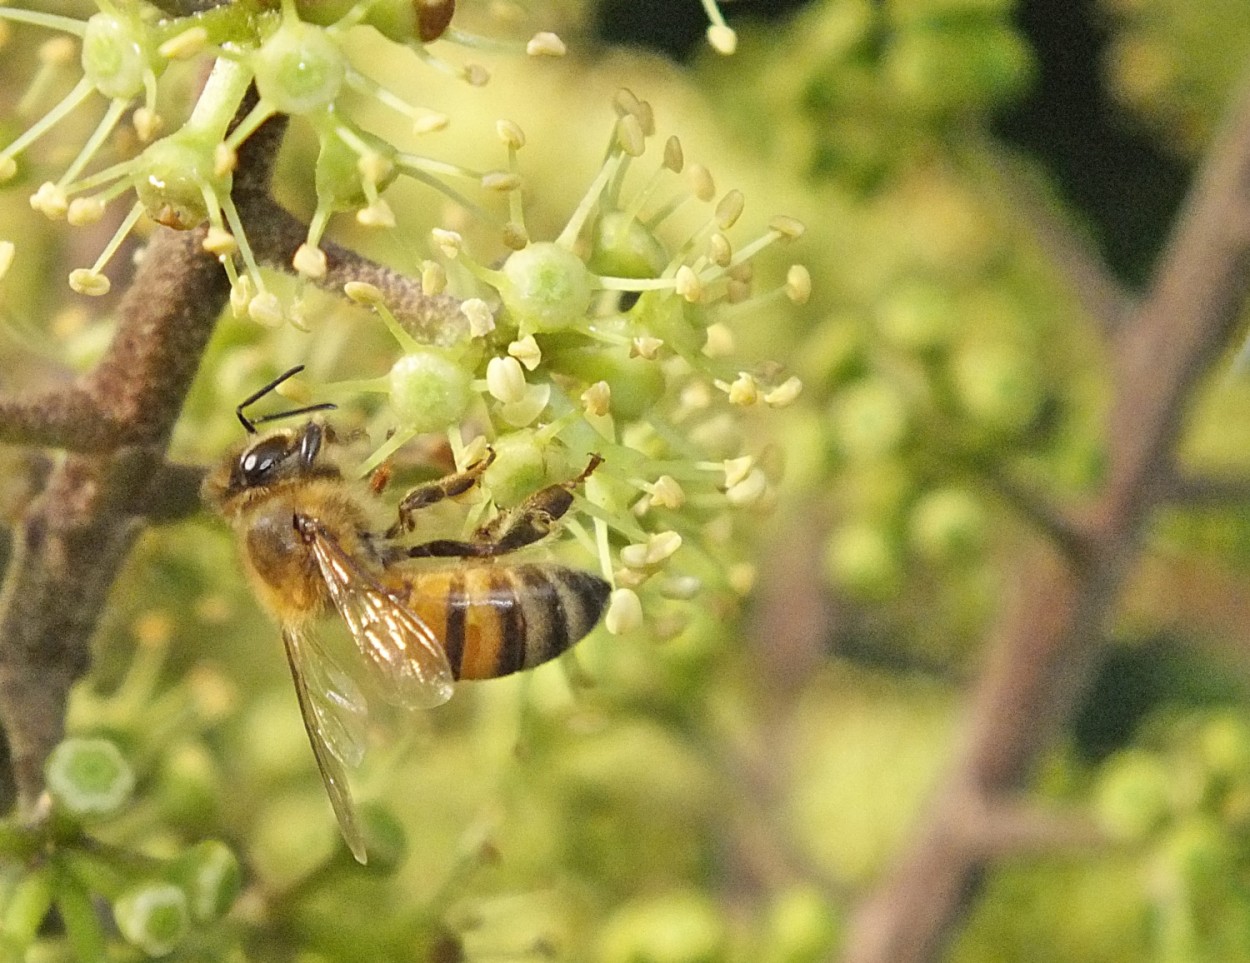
[528,522]
[449,486]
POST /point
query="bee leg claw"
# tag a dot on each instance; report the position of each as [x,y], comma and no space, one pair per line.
[449,486]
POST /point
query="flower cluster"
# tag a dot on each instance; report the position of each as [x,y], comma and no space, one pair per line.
[615,339]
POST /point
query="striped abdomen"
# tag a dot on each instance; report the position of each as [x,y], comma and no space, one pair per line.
[497,619]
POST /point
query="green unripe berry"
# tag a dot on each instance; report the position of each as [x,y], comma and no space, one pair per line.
[429,391]
[116,54]
[1133,796]
[88,778]
[546,288]
[519,468]
[680,927]
[863,560]
[871,418]
[948,525]
[210,876]
[299,68]
[171,178]
[622,247]
[153,916]
[997,385]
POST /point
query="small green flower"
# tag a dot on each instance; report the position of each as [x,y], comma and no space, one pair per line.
[153,916]
[89,778]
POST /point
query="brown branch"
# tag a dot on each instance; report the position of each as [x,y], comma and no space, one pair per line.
[72,539]
[275,234]
[1204,491]
[1046,647]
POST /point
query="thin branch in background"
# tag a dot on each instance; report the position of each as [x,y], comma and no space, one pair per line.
[1203,491]
[1047,646]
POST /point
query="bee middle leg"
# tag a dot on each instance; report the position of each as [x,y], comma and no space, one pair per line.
[449,486]
[528,522]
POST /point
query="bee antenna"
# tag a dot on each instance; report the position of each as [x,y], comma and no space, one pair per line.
[249,424]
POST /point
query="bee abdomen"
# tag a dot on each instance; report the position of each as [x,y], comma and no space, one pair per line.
[498,619]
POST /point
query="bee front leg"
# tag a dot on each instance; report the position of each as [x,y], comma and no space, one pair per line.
[532,520]
[449,486]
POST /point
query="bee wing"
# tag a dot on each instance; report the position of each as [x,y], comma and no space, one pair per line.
[410,665]
[324,726]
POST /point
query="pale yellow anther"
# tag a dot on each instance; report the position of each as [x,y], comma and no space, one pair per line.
[720,341]
[310,261]
[374,168]
[597,399]
[510,133]
[526,410]
[265,309]
[646,117]
[481,318]
[430,123]
[696,396]
[362,292]
[722,39]
[701,182]
[433,278]
[784,394]
[741,577]
[500,181]
[630,137]
[730,209]
[749,490]
[666,492]
[674,157]
[50,201]
[8,167]
[8,251]
[719,251]
[625,101]
[505,380]
[58,52]
[527,352]
[89,282]
[219,241]
[545,44]
[85,210]
[737,291]
[788,227]
[515,237]
[737,469]
[681,588]
[377,214]
[184,45]
[147,123]
[624,611]
[645,347]
[473,452]
[240,294]
[449,242]
[687,284]
[475,75]
[798,284]
[745,390]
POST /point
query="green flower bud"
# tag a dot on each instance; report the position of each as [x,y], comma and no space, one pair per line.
[89,778]
[519,468]
[429,391]
[871,418]
[116,54]
[622,247]
[299,68]
[997,385]
[636,384]
[1133,795]
[171,177]
[546,288]
[917,317]
[210,876]
[948,525]
[385,838]
[678,927]
[153,916]
[801,927]
[864,561]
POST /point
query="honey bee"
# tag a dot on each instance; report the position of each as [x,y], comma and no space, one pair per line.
[308,542]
